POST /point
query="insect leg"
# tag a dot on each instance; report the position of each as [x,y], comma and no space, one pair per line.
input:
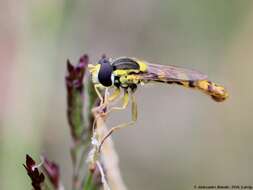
[124,105]
[111,98]
[96,86]
[103,103]
[132,89]
[123,125]
[134,109]
[115,95]
[103,100]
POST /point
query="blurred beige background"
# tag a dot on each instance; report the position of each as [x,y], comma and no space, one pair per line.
[182,138]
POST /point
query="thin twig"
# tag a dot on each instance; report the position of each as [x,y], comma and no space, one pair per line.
[108,155]
[104,182]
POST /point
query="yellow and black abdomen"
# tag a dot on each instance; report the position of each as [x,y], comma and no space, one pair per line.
[185,77]
[215,91]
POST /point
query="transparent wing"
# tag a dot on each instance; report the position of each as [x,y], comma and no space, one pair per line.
[170,73]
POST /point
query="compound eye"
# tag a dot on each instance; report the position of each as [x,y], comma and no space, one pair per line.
[105,72]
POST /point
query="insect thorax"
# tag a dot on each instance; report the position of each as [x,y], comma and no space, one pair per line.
[120,73]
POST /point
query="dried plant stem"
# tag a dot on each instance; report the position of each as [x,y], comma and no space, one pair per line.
[108,155]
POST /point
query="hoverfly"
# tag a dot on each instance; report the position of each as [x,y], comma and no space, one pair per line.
[125,74]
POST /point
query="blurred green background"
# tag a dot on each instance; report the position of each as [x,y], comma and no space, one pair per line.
[182,138]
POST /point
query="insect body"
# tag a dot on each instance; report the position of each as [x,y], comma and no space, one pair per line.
[129,72]
[126,74]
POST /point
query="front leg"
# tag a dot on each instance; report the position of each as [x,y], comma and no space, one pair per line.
[103,100]
[123,125]
[96,87]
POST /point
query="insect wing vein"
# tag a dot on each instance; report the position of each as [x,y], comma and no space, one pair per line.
[171,73]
